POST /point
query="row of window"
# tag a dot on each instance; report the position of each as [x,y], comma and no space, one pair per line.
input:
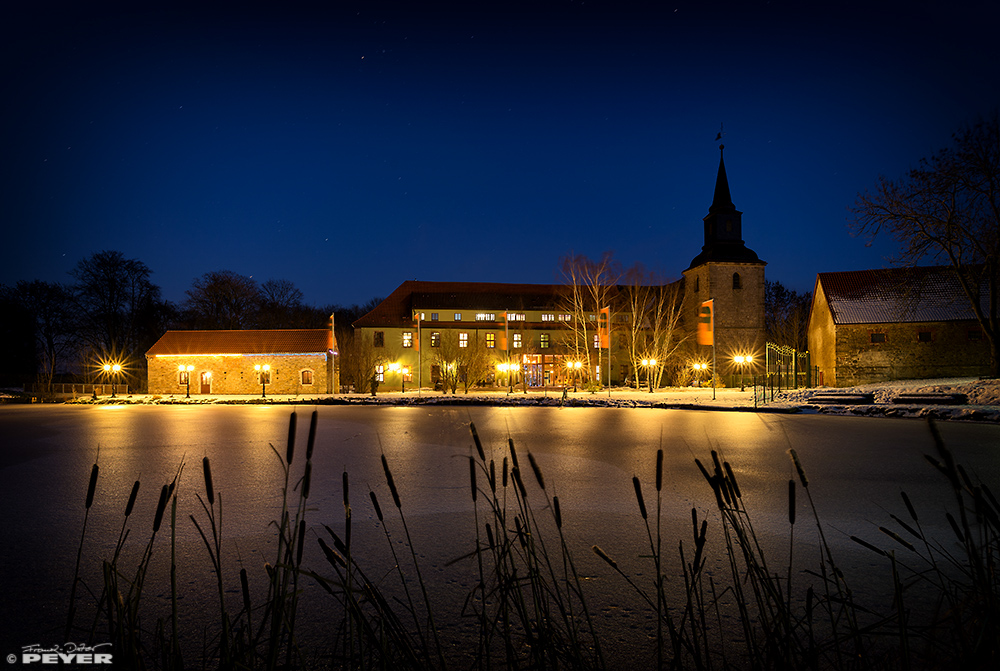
[737,282]
[511,316]
[263,377]
[544,340]
[974,335]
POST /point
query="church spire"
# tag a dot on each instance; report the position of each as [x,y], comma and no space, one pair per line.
[722,200]
[724,226]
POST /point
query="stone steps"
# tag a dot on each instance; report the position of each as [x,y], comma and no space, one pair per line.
[930,398]
[843,398]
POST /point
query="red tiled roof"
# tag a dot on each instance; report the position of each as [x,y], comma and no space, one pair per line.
[271,341]
[896,295]
[397,309]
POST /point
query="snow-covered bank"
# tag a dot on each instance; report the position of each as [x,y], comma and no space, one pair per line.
[982,402]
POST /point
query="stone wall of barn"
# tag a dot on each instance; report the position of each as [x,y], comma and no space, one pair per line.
[291,374]
[879,352]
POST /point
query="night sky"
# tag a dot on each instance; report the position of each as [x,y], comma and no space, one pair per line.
[348,149]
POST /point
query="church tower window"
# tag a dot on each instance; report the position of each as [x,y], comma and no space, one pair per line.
[737,282]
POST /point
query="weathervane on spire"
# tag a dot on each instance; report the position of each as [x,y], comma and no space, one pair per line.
[721,133]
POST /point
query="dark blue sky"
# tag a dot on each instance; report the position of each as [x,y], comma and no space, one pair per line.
[350,149]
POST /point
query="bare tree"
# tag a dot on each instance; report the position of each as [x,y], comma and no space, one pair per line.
[359,359]
[50,307]
[652,310]
[947,210]
[786,315]
[281,306]
[592,287]
[223,300]
[119,311]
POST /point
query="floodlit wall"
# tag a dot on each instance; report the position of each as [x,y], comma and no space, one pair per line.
[294,374]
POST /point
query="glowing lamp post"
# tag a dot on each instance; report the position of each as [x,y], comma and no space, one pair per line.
[265,372]
[112,370]
[398,368]
[742,362]
[574,366]
[698,367]
[187,378]
[649,364]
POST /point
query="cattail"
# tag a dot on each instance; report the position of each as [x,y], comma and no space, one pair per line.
[92,486]
[869,546]
[346,490]
[306,480]
[603,555]
[131,499]
[513,452]
[718,464]
[638,495]
[538,471]
[516,473]
[520,531]
[493,477]
[347,527]
[312,435]
[965,476]
[489,536]
[479,444]
[798,467]
[160,507]
[699,545]
[270,569]
[378,509]
[337,543]
[244,583]
[505,472]
[899,539]
[659,470]
[694,522]
[472,477]
[909,506]
[301,539]
[791,501]
[291,437]
[331,554]
[392,484]
[732,479]
[555,505]
[910,530]
[703,470]
[955,527]
[209,489]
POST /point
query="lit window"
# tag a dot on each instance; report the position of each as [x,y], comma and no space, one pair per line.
[183,376]
[379,339]
[434,316]
[878,337]
[463,339]
[515,316]
[548,318]
[593,318]
[486,317]
[491,340]
[565,318]
[380,373]
[458,316]
[597,341]
[544,341]
[307,377]
[265,376]
[407,339]
[517,340]
[435,339]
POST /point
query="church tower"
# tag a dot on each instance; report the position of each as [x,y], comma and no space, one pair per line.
[731,274]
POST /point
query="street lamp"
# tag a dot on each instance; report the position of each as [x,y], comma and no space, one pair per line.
[113,370]
[397,368]
[187,378]
[742,361]
[698,367]
[574,366]
[649,364]
[265,372]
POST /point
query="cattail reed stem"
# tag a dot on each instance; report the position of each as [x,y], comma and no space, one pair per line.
[538,471]
[909,506]
[378,509]
[347,501]
[638,495]
[160,507]
[603,555]
[798,468]
[306,480]
[390,482]
[292,421]
[732,479]
[558,512]
[209,489]
[791,501]
[131,499]
[479,444]
[311,441]
[92,486]
[472,477]
[659,470]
